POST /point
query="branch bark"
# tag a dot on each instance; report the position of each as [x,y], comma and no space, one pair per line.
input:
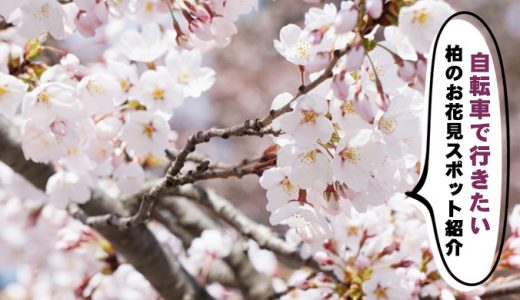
[253,284]
[502,289]
[262,234]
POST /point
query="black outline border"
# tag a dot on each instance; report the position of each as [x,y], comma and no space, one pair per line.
[414,193]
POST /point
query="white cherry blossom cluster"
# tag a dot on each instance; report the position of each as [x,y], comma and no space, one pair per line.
[193,21]
[99,124]
[352,146]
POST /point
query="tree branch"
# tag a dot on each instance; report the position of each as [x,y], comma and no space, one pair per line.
[172,178]
[253,284]
[263,235]
[502,289]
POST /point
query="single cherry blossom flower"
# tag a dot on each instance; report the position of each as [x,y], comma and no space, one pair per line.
[280,189]
[355,159]
[150,11]
[99,93]
[51,100]
[158,93]
[38,16]
[185,68]
[145,133]
[310,168]
[125,74]
[308,123]
[145,46]
[12,91]
[297,46]
[422,20]
[317,18]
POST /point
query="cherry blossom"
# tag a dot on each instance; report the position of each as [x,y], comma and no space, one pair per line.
[98,93]
[157,93]
[40,15]
[12,91]
[92,14]
[145,133]
[145,46]
[66,187]
[384,285]
[280,189]
[308,123]
[296,45]
[421,22]
[51,100]
[185,68]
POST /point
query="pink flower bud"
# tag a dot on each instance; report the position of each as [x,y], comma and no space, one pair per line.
[346,18]
[375,8]
[355,58]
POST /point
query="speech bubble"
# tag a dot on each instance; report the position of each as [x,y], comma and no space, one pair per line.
[463,188]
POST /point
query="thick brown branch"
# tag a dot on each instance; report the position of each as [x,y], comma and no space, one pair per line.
[12,155]
[253,284]
[502,289]
[263,235]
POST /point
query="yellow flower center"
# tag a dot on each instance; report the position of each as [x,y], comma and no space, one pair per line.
[350,155]
[3,90]
[72,151]
[43,97]
[309,158]
[303,49]
[43,12]
[184,77]
[387,125]
[125,85]
[352,230]
[420,17]
[158,94]
[380,292]
[348,108]
[308,117]
[95,88]
[148,130]
[149,6]
[286,185]
[378,73]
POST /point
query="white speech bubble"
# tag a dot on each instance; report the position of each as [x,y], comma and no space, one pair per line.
[480,251]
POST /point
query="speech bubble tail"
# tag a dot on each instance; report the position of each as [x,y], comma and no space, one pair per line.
[415,195]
